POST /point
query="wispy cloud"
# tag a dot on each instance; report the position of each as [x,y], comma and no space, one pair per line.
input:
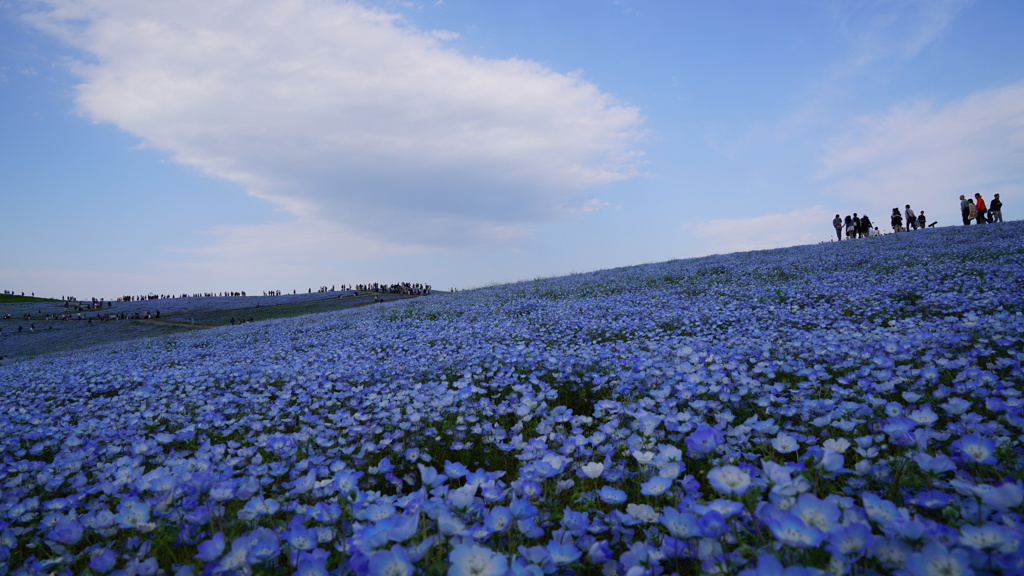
[899,29]
[348,116]
[807,226]
[923,154]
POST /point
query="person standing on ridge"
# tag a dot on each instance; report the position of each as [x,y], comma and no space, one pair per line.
[979,205]
[911,217]
[837,223]
[865,226]
[964,211]
[897,220]
[995,209]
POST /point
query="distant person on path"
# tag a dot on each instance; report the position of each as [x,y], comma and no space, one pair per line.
[972,212]
[995,210]
[837,223]
[865,226]
[964,211]
[897,220]
[849,227]
[856,225]
[911,217]
[979,205]
[922,220]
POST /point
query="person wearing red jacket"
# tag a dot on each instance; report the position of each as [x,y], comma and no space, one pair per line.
[979,204]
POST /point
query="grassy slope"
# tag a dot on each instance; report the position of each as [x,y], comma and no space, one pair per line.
[8,298]
[198,313]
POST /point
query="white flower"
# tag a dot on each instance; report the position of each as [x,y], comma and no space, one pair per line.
[784,444]
[642,512]
[838,445]
[475,560]
[593,469]
[643,456]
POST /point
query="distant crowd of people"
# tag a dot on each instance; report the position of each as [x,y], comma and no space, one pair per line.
[405,288]
[902,221]
[128,298]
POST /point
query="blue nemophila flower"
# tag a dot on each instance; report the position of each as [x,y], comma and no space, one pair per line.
[975,448]
[430,477]
[575,522]
[67,531]
[792,531]
[937,560]
[104,561]
[264,546]
[449,524]
[132,513]
[822,514]
[931,499]
[852,540]
[455,469]
[475,560]
[1005,496]
[679,524]
[498,519]
[712,524]
[312,563]
[923,416]
[392,562]
[656,486]
[299,537]
[704,440]
[883,511]
[325,512]
[990,537]
[610,495]
[727,508]
[562,553]
[768,565]
[258,506]
[599,552]
[210,550]
[938,464]
[522,508]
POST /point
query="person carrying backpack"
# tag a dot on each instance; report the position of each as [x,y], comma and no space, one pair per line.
[897,220]
[865,226]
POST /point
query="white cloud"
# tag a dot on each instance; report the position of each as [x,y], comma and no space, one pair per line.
[807,226]
[346,115]
[923,154]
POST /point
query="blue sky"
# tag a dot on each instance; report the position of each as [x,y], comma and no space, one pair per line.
[195,146]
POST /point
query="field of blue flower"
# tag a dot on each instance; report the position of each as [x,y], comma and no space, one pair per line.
[852,408]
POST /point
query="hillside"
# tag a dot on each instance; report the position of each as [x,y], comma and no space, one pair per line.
[52,328]
[853,404]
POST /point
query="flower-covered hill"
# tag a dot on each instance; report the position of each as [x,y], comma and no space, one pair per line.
[850,407]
